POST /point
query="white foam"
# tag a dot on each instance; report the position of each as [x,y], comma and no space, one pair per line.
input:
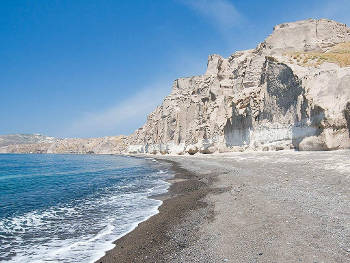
[134,207]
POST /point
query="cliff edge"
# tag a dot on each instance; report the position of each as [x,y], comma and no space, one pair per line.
[291,92]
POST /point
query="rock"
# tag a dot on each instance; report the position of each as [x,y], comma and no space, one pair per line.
[192,149]
[261,99]
[265,149]
[207,147]
[134,149]
[306,35]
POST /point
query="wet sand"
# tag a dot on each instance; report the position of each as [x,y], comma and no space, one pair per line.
[248,207]
[162,237]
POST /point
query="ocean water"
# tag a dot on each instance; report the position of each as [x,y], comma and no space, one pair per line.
[70,208]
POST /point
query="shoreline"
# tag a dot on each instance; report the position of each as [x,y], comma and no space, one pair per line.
[152,240]
[248,207]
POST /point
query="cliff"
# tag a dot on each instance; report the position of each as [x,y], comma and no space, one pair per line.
[291,92]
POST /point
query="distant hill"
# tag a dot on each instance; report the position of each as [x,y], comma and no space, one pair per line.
[36,143]
[12,139]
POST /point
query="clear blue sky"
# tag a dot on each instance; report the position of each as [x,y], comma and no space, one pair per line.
[85,68]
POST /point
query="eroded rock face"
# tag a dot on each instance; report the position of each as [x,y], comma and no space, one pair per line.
[307,35]
[258,99]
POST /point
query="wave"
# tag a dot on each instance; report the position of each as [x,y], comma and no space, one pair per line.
[80,231]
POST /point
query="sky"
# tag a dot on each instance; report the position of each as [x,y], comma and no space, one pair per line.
[92,68]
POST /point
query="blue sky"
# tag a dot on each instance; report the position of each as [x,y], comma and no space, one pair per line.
[88,68]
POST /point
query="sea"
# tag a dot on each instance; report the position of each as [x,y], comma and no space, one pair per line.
[70,208]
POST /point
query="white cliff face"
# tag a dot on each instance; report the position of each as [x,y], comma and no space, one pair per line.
[307,35]
[261,99]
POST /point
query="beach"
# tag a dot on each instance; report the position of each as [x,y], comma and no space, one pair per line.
[283,206]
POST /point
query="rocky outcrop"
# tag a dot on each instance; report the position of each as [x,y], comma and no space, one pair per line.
[288,93]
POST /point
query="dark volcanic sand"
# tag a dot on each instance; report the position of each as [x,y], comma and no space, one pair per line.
[248,207]
[162,237]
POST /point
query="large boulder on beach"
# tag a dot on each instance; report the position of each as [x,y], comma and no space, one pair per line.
[192,149]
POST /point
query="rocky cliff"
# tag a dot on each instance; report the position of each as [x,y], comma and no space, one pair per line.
[291,92]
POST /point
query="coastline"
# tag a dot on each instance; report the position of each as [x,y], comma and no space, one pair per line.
[248,207]
[162,237]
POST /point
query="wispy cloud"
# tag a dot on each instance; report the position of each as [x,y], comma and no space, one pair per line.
[124,117]
[221,13]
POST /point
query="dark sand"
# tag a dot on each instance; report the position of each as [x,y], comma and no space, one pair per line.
[163,236]
[248,207]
